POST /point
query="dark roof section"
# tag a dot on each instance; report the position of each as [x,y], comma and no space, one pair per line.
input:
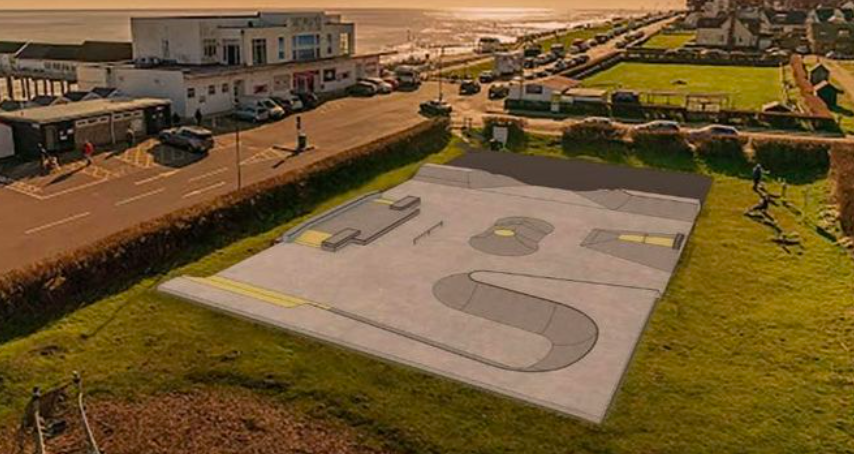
[104,92]
[787,17]
[89,51]
[75,96]
[44,100]
[826,86]
[711,22]
[10,47]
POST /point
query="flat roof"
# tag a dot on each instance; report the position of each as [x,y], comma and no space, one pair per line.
[81,109]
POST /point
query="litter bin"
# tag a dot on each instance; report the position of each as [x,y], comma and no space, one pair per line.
[302,142]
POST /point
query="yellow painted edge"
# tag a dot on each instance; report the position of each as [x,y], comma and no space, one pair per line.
[312,238]
[632,238]
[660,241]
[252,291]
[384,201]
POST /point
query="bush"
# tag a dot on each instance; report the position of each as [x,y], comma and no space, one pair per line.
[516,137]
[722,148]
[48,289]
[592,133]
[842,176]
[672,144]
[791,155]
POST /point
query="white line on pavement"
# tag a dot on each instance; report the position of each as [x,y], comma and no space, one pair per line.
[57,223]
[209,174]
[139,197]
[157,177]
[205,189]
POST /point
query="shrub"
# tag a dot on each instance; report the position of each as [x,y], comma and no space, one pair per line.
[722,148]
[792,155]
[48,289]
[671,144]
[516,137]
[842,176]
[592,133]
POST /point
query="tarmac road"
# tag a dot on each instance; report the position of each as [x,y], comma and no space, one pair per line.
[43,218]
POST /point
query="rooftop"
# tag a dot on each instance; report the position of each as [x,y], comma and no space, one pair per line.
[82,109]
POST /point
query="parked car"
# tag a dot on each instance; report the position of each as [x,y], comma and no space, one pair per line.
[382,87]
[625,97]
[659,126]
[597,121]
[290,103]
[469,87]
[362,89]
[395,84]
[582,59]
[252,114]
[436,108]
[529,63]
[274,111]
[191,138]
[487,77]
[543,74]
[499,91]
[307,101]
[715,131]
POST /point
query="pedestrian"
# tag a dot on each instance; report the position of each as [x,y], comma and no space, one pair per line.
[45,160]
[758,172]
[199,117]
[88,152]
[130,137]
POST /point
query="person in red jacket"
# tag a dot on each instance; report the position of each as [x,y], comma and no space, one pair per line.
[88,152]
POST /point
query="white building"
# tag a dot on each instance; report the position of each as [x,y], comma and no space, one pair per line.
[208,62]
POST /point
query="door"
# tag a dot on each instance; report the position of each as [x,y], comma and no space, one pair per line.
[50,138]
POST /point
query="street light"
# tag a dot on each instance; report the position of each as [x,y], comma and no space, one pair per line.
[237,150]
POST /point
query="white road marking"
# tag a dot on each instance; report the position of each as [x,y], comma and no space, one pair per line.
[203,190]
[139,197]
[209,174]
[57,223]
[156,177]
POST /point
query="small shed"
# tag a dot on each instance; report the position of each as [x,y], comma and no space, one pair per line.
[543,91]
[591,95]
[819,74]
[103,122]
[828,93]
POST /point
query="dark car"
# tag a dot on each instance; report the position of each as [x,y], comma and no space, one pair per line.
[436,108]
[487,77]
[364,89]
[583,58]
[499,91]
[190,138]
[469,87]
[309,100]
[284,103]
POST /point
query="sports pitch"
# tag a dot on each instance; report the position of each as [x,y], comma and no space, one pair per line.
[532,278]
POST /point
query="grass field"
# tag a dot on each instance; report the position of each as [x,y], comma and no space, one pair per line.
[669,40]
[751,350]
[471,71]
[568,38]
[749,87]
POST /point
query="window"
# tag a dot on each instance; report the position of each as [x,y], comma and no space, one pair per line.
[212,89]
[281,48]
[534,89]
[210,48]
[306,47]
[225,88]
[232,53]
[329,75]
[306,40]
[191,93]
[329,44]
[164,47]
[259,51]
[344,44]
[345,75]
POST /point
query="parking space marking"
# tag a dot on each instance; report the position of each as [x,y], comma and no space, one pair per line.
[203,190]
[57,223]
[208,175]
[139,197]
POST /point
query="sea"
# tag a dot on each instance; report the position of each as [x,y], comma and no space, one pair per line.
[399,32]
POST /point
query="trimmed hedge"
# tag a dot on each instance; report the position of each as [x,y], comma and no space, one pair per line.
[51,288]
[721,148]
[669,143]
[842,175]
[787,155]
[591,133]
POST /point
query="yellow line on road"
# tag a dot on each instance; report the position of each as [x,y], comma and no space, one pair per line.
[139,197]
[57,223]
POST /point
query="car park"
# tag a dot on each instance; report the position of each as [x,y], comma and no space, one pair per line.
[194,139]
[362,89]
[436,108]
[499,91]
[469,87]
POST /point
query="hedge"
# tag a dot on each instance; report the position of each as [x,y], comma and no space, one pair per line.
[50,288]
[582,132]
[842,176]
[781,154]
[669,143]
[515,126]
[721,148]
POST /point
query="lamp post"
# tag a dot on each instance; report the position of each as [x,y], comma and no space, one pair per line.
[237,151]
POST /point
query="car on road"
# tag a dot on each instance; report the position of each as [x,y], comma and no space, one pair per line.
[194,139]
[499,91]
[470,87]
[487,77]
[252,114]
[658,126]
[436,108]
[711,131]
[362,89]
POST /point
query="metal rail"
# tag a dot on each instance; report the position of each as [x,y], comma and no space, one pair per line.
[427,232]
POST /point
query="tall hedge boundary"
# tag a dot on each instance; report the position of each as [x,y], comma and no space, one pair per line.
[842,175]
[53,287]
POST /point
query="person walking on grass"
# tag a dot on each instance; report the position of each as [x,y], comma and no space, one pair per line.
[758,173]
[88,152]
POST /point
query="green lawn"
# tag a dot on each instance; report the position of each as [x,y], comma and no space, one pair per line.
[471,71]
[749,87]
[670,40]
[568,38]
[750,350]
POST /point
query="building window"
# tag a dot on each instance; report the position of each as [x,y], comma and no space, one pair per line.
[306,47]
[259,51]
[225,88]
[345,75]
[165,49]
[210,48]
[212,89]
[191,93]
[329,44]
[329,75]
[232,53]
[281,48]
[344,44]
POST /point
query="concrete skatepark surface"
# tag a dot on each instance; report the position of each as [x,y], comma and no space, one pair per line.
[531,291]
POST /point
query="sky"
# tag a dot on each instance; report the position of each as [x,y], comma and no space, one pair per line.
[208,4]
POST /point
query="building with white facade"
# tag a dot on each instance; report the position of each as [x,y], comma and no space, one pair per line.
[207,63]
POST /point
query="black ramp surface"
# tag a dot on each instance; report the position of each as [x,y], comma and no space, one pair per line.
[579,175]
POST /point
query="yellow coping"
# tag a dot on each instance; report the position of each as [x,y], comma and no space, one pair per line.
[504,232]
[384,201]
[312,238]
[650,240]
[262,294]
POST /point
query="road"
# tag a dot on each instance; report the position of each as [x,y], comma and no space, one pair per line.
[44,216]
